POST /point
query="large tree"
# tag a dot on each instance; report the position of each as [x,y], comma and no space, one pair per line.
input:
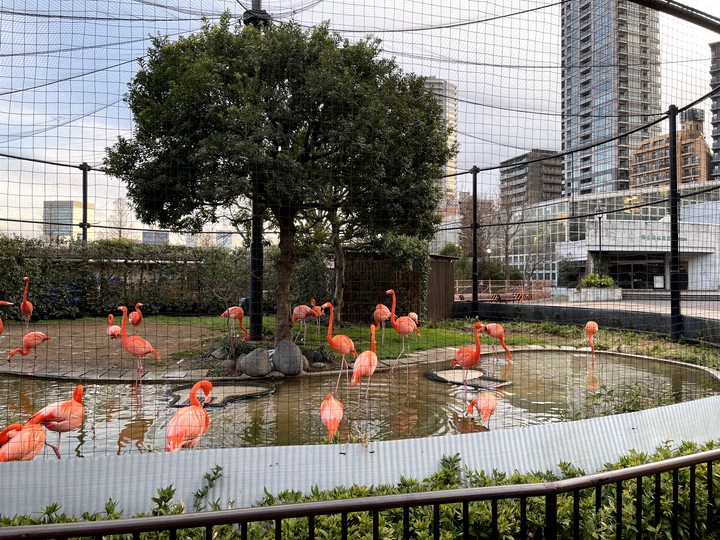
[296,120]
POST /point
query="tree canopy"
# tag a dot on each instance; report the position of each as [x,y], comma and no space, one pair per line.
[301,121]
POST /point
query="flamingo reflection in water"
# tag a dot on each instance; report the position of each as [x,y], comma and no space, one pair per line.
[137,426]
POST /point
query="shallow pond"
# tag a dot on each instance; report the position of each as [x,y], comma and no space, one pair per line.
[541,386]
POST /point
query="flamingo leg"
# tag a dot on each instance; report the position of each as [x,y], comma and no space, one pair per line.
[342,363]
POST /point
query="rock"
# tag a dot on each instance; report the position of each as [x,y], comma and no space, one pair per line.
[219,353]
[288,358]
[319,366]
[305,363]
[275,375]
[228,364]
[256,363]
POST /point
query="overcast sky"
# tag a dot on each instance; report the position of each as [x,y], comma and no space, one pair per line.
[65,65]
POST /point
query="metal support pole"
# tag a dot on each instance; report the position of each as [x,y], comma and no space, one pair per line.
[475,227]
[256,16]
[675,313]
[84,167]
[256,271]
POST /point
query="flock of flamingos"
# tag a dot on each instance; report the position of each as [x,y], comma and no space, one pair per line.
[22,442]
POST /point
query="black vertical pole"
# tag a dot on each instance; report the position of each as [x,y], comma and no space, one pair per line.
[475,227]
[256,269]
[256,16]
[675,314]
[84,167]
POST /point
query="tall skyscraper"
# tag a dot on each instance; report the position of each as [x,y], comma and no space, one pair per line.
[530,178]
[445,93]
[715,109]
[610,85]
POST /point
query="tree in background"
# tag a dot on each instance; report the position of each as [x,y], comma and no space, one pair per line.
[296,120]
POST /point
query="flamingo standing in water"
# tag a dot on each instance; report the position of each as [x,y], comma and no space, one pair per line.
[61,416]
[26,307]
[467,357]
[339,343]
[486,403]
[497,331]
[30,341]
[136,317]
[591,328]
[302,312]
[112,331]
[236,312]
[331,414]
[403,325]
[135,345]
[22,443]
[190,423]
[364,366]
[4,303]
[381,315]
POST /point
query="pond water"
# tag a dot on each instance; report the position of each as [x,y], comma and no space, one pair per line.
[542,386]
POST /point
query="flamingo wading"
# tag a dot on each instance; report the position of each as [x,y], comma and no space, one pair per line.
[331,414]
[591,328]
[190,423]
[467,357]
[23,443]
[340,343]
[364,366]
[62,416]
[486,403]
[402,325]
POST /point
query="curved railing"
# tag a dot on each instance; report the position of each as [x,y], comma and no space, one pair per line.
[666,506]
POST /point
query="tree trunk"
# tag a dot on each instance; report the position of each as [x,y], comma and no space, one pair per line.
[285,265]
[339,272]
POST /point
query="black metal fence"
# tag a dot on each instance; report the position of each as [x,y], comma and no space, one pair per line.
[638,511]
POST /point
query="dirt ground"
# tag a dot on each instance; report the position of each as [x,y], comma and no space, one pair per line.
[82,345]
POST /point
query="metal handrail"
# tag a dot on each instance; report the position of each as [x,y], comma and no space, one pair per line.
[344,506]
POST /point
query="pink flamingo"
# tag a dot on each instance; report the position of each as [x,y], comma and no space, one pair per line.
[61,416]
[486,403]
[302,312]
[402,325]
[135,345]
[189,423]
[26,307]
[591,328]
[30,341]
[339,343]
[3,303]
[381,315]
[236,312]
[331,414]
[467,357]
[364,366]
[113,331]
[136,317]
[497,331]
[22,443]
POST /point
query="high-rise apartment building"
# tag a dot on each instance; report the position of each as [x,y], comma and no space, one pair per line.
[61,220]
[715,109]
[651,160]
[445,93]
[530,178]
[610,85]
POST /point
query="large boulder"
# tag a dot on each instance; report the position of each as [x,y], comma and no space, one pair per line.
[256,363]
[288,358]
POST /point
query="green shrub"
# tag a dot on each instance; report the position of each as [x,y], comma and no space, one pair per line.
[596,281]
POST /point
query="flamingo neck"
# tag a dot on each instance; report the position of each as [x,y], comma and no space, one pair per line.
[27,285]
[329,336]
[476,354]
[123,325]
[372,341]
[393,322]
